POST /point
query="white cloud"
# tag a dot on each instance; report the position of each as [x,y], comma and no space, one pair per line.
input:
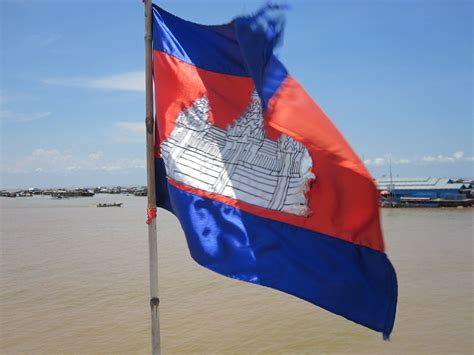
[10,116]
[124,164]
[401,161]
[375,161]
[50,156]
[129,132]
[442,158]
[95,156]
[455,157]
[134,127]
[129,81]
[379,161]
[43,160]
[458,155]
[38,160]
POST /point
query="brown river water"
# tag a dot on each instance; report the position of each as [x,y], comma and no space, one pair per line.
[74,279]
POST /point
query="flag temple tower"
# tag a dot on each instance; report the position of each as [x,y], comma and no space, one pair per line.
[239,162]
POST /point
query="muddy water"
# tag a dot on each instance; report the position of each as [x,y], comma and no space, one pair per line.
[74,279]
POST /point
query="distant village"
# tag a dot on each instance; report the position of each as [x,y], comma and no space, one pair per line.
[76,192]
[393,192]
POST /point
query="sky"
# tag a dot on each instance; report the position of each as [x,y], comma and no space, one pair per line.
[395,76]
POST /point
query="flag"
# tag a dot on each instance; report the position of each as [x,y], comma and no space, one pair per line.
[265,187]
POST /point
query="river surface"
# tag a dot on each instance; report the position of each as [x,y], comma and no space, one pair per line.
[74,279]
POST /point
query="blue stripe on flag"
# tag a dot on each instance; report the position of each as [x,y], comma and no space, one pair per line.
[214,48]
[243,47]
[353,281]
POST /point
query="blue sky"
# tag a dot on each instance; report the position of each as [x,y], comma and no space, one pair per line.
[394,76]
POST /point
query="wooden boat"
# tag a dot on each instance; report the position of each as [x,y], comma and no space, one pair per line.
[109,204]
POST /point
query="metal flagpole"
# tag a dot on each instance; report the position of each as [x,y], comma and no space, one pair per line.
[150,159]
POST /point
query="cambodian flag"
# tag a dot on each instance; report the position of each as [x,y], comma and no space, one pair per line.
[265,187]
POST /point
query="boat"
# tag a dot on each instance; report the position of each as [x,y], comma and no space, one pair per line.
[110,204]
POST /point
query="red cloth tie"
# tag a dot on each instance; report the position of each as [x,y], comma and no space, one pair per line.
[151,214]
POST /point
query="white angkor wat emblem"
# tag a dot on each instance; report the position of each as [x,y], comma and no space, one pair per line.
[239,162]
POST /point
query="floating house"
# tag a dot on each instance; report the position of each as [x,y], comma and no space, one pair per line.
[423,187]
[435,191]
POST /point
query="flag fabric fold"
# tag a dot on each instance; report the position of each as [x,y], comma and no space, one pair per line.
[265,187]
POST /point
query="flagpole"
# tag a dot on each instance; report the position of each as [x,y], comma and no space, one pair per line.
[150,159]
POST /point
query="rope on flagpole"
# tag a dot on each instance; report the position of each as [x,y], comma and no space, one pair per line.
[150,157]
[151,215]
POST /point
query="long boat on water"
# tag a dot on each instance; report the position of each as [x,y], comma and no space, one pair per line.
[58,194]
[110,204]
